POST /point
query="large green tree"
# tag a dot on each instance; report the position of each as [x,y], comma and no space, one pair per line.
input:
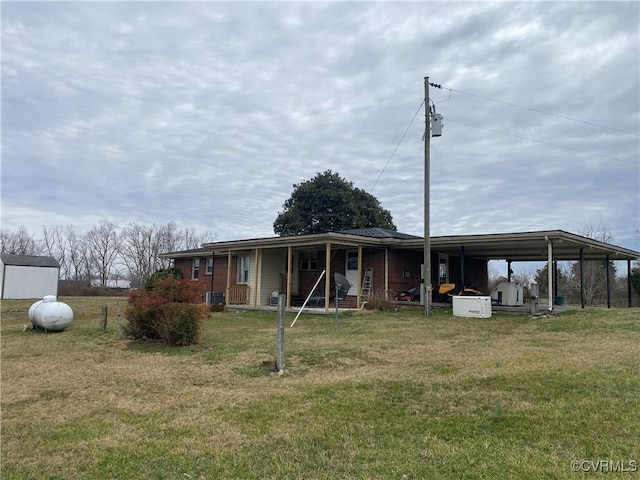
[329,203]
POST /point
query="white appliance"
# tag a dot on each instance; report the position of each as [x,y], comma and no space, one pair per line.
[476,307]
[508,293]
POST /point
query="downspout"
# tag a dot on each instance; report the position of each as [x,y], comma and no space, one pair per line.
[550,271]
[386,274]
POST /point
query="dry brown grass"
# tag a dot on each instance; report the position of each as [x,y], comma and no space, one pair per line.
[82,399]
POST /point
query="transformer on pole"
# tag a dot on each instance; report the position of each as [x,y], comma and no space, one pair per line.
[433,127]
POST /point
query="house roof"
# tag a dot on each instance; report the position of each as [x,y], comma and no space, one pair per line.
[379,233]
[29,261]
[521,246]
[194,252]
[531,246]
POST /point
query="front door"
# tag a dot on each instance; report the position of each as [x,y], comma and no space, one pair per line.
[351,269]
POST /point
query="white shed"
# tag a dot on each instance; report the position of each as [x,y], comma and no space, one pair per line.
[26,276]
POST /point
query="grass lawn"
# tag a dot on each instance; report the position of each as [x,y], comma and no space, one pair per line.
[380,396]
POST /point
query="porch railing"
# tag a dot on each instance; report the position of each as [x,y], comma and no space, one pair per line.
[238,295]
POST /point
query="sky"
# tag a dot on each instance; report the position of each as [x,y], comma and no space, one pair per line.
[208,113]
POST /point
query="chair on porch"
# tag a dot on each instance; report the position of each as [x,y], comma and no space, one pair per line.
[317,297]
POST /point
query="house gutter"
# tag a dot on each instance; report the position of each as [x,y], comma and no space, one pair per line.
[550,271]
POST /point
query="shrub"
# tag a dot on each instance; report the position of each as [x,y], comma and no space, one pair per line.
[179,323]
[167,312]
[378,301]
[161,275]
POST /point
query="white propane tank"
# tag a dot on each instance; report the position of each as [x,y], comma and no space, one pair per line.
[50,314]
[32,309]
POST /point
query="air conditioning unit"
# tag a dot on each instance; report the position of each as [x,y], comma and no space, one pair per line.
[215,298]
[475,307]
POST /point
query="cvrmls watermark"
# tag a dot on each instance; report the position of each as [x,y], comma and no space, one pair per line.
[604,466]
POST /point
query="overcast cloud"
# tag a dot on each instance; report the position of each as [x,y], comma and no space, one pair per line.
[207,113]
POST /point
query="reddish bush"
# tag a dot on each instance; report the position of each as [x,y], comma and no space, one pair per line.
[167,312]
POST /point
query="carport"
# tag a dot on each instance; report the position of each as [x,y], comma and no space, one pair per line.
[550,246]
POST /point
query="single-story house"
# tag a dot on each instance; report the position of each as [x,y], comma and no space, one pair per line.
[376,261]
[27,276]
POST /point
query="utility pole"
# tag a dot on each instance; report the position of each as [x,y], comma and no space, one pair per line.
[427,180]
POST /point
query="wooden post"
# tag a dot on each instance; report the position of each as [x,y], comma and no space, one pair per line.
[282,303]
[103,318]
[227,290]
[327,279]
[289,274]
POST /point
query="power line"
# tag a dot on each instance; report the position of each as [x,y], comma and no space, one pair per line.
[543,112]
[541,142]
[394,150]
[506,133]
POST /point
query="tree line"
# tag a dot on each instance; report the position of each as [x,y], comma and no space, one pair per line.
[105,254]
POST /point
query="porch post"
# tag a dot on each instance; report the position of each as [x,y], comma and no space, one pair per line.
[327,279]
[555,278]
[550,272]
[257,282]
[606,266]
[228,288]
[582,278]
[629,283]
[289,273]
[359,282]
[462,266]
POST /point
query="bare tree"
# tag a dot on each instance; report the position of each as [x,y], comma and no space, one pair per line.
[562,276]
[594,287]
[20,242]
[133,254]
[139,247]
[54,246]
[171,240]
[191,239]
[78,264]
[495,277]
[103,244]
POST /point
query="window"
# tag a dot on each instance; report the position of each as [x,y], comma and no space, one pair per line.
[308,261]
[195,273]
[242,275]
[443,269]
[352,261]
[209,270]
